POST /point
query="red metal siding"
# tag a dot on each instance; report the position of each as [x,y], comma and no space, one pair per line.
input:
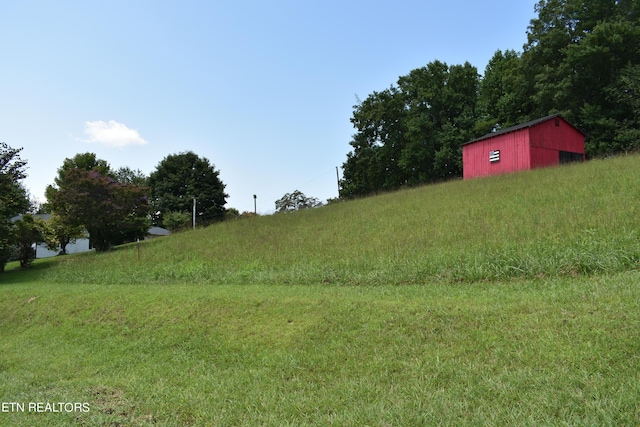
[526,148]
[514,155]
[542,157]
[562,137]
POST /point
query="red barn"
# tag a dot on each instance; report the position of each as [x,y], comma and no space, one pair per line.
[544,142]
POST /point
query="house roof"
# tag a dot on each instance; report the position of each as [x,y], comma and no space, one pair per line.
[44,217]
[522,126]
[159,231]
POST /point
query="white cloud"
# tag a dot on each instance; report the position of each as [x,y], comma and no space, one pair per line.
[112,134]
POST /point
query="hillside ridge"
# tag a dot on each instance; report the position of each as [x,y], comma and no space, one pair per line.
[569,220]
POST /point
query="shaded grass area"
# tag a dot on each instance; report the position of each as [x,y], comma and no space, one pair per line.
[537,352]
[566,221]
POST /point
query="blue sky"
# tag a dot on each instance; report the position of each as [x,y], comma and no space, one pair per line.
[264,90]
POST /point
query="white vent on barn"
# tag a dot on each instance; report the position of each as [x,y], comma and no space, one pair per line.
[494,156]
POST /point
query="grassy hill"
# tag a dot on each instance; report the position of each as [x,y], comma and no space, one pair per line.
[579,219]
[509,300]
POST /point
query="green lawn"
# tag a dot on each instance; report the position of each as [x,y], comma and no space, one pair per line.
[512,300]
[533,352]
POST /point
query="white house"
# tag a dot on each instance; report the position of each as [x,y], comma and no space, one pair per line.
[83,244]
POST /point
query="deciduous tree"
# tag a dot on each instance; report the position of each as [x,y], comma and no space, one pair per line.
[28,233]
[296,201]
[112,212]
[576,54]
[411,133]
[60,231]
[501,99]
[178,179]
[82,161]
[13,197]
[126,175]
[175,221]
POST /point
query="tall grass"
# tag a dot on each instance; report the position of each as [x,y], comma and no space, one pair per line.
[564,221]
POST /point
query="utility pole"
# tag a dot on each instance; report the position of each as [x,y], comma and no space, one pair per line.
[255,204]
[338,179]
[194,213]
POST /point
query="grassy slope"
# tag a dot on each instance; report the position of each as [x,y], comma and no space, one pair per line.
[570,220]
[493,324]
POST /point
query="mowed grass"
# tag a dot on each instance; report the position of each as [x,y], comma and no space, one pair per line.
[536,352]
[511,300]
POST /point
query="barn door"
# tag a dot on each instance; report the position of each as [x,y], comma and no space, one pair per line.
[568,157]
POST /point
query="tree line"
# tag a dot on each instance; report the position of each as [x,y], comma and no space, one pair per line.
[90,199]
[581,59]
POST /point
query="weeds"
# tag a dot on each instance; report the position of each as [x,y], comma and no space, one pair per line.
[565,221]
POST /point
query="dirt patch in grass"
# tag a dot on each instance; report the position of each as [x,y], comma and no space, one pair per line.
[114,408]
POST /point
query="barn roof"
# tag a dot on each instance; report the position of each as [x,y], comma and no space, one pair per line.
[522,126]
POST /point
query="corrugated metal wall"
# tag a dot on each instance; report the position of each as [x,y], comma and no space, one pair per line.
[514,155]
[542,157]
[527,148]
[558,135]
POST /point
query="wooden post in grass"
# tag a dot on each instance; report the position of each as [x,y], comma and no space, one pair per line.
[255,205]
